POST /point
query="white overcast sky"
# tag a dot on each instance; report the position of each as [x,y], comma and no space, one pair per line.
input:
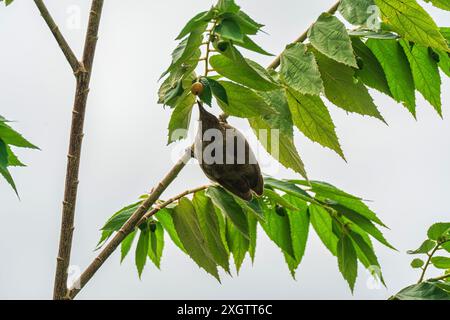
[403,168]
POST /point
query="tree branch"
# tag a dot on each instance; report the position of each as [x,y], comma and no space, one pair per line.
[167,202]
[73,162]
[136,217]
[275,63]
[65,48]
[129,226]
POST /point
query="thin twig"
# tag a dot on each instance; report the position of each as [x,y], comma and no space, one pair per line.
[425,267]
[70,56]
[73,157]
[169,201]
[129,226]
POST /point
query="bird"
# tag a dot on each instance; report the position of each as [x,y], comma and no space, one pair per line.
[226,158]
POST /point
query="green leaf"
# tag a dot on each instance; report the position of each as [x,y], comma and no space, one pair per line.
[371,34]
[417,263]
[441,262]
[299,225]
[225,6]
[426,290]
[312,117]
[119,218]
[188,229]
[444,62]
[240,71]
[425,247]
[199,20]
[181,117]
[3,155]
[363,223]
[126,245]
[323,225]
[411,21]
[324,189]
[229,29]
[365,253]
[249,44]
[442,4]
[286,152]
[342,89]
[218,90]
[164,217]
[288,187]
[237,243]
[398,72]
[242,101]
[278,229]
[156,244]
[187,48]
[371,73]
[206,95]
[229,208]
[12,137]
[277,199]
[252,232]
[299,70]
[425,73]
[347,260]
[5,173]
[141,251]
[210,227]
[439,230]
[356,11]
[247,24]
[13,161]
[446,246]
[330,37]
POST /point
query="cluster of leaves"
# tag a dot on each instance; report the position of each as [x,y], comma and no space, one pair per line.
[9,137]
[400,56]
[214,225]
[432,289]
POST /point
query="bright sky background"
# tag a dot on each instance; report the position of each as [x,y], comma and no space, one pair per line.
[403,168]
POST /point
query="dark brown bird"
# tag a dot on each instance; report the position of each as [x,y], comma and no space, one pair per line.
[226,158]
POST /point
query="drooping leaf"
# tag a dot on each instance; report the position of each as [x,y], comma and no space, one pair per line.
[164,217]
[342,89]
[237,243]
[411,21]
[398,72]
[330,37]
[3,155]
[126,245]
[218,90]
[347,260]
[366,254]
[181,117]
[323,225]
[12,137]
[356,11]
[425,73]
[229,208]
[371,73]
[299,70]
[242,101]
[299,225]
[188,229]
[13,161]
[156,243]
[311,116]
[141,251]
[209,224]
[5,173]
[249,44]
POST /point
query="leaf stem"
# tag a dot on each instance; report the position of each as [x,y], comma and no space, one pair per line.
[425,267]
[74,153]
